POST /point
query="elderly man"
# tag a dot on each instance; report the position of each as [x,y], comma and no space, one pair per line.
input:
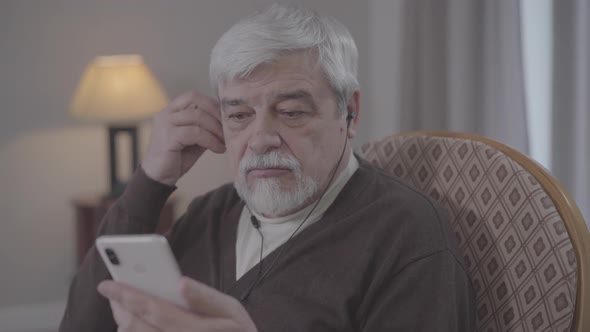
[308,237]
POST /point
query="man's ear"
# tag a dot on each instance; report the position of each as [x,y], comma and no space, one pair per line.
[353,107]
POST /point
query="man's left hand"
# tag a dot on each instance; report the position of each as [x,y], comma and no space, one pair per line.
[209,309]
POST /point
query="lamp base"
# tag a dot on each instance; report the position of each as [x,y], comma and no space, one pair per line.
[116,191]
[117,184]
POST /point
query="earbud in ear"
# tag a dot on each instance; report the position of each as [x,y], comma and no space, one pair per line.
[349,118]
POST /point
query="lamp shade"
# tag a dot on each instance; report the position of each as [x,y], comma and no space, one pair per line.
[117,89]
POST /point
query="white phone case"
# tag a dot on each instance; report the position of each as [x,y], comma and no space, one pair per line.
[144,262]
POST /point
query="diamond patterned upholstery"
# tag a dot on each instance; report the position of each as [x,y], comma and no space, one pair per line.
[516,247]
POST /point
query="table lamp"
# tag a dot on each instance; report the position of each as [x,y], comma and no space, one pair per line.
[119,90]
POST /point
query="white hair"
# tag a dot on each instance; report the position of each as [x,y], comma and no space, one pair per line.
[280,30]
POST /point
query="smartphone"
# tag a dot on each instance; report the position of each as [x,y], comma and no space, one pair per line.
[144,262]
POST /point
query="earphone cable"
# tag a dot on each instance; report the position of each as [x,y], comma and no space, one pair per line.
[288,243]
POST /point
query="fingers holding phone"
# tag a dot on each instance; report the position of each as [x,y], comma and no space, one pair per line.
[181,132]
[150,294]
[208,309]
[126,321]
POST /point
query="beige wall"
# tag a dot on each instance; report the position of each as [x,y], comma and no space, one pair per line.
[47,158]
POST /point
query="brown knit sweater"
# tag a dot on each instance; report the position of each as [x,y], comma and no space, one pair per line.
[382,258]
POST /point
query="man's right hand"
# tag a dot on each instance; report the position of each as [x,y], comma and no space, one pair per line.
[181,132]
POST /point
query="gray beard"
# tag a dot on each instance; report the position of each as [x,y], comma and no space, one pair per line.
[269,199]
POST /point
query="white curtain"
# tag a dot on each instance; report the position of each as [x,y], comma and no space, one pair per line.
[571,99]
[457,66]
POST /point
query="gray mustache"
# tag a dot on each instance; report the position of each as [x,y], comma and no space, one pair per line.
[272,159]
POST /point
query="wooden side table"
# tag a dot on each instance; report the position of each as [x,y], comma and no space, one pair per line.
[89,213]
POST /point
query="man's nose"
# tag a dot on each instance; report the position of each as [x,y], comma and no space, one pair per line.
[265,136]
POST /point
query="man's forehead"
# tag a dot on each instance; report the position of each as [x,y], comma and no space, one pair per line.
[272,87]
[273,95]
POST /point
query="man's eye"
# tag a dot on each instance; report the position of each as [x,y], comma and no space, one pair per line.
[239,116]
[292,114]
